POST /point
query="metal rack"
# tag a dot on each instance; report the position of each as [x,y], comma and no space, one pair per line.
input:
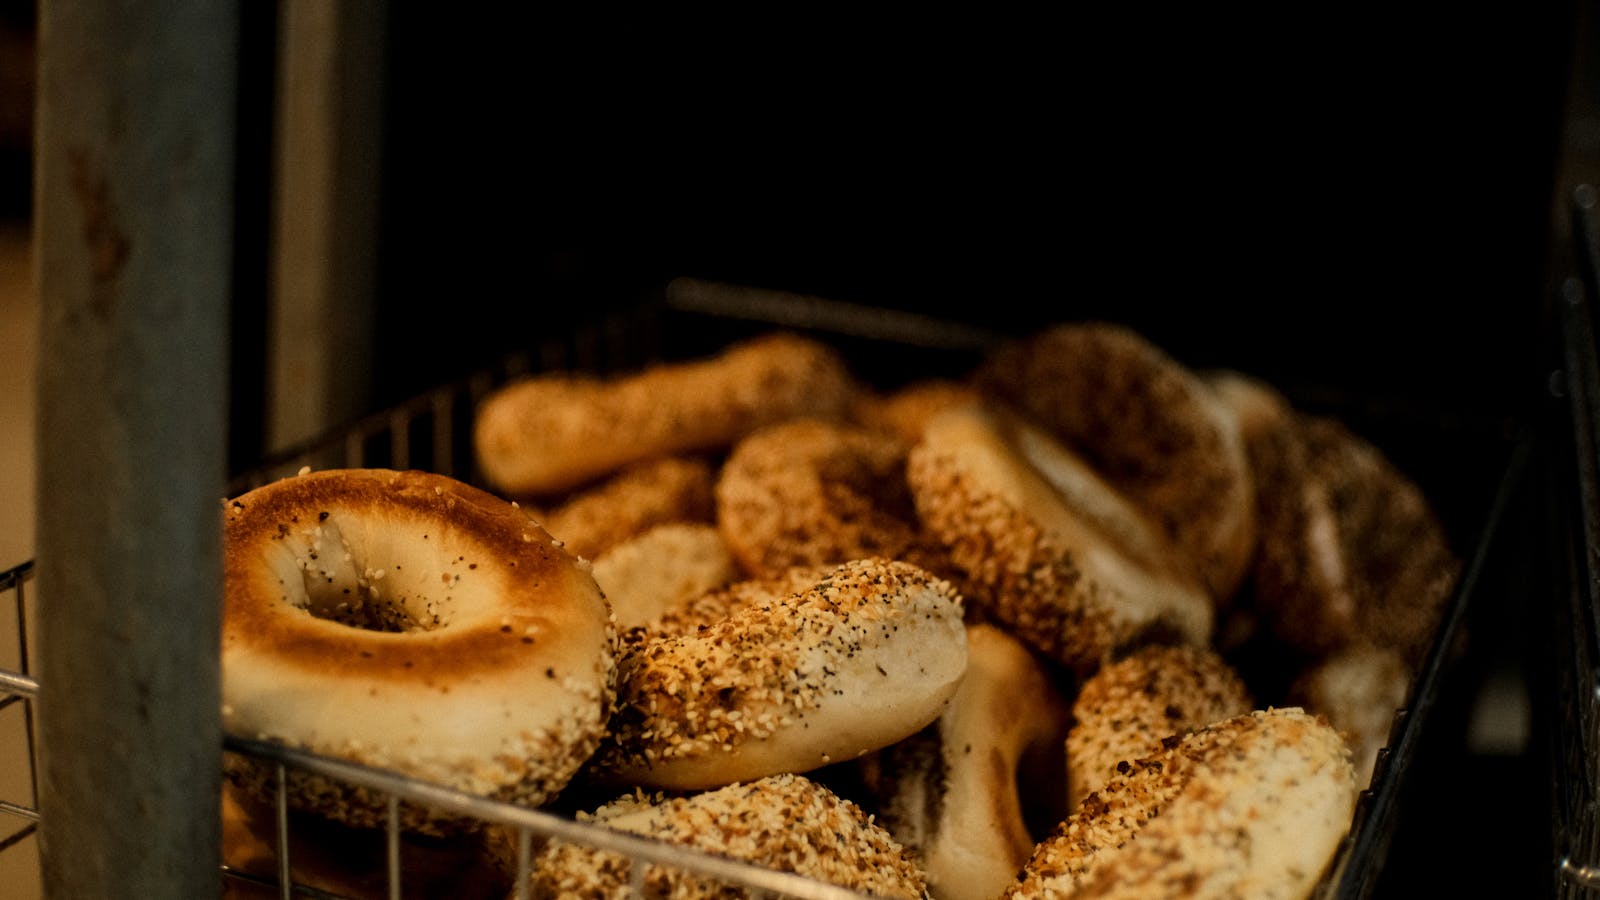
[1573,489]
[432,431]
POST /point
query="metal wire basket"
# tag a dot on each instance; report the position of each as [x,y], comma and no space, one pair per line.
[432,432]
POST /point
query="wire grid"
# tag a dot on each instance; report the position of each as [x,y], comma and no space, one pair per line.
[19,816]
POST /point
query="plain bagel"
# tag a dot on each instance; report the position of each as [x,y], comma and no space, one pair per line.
[408,621]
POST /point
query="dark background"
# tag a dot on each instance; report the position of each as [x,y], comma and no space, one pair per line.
[1335,193]
[1339,193]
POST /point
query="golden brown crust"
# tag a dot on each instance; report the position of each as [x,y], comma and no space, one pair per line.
[1351,550]
[863,656]
[1148,424]
[554,433]
[409,621]
[906,410]
[1124,711]
[786,823]
[641,495]
[808,492]
[303,515]
[1252,806]
[1061,560]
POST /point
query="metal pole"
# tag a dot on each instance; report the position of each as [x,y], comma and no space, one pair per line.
[134,222]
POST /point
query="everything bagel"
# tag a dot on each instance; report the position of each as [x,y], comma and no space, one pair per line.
[864,654]
[408,621]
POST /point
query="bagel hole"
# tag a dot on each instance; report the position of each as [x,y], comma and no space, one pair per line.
[360,606]
[358,594]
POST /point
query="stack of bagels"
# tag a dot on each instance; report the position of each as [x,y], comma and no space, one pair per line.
[973,637]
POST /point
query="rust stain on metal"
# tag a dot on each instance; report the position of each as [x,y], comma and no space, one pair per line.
[108,246]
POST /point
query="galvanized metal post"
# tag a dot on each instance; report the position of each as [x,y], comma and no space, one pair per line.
[134,222]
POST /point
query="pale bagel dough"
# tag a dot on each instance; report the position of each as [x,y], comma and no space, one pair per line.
[1064,561]
[1124,711]
[785,822]
[665,566]
[961,793]
[408,621]
[1151,426]
[552,433]
[863,656]
[1252,806]
[1360,690]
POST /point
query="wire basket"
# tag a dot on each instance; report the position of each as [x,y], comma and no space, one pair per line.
[432,432]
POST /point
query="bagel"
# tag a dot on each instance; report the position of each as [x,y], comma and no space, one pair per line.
[1351,551]
[1125,710]
[808,492]
[951,794]
[1257,408]
[1061,559]
[631,501]
[662,568]
[905,411]
[555,432]
[1153,428]
[1252,806]
[1255,404]
[408,621]
[867,653]
[1359,690]
[786,822]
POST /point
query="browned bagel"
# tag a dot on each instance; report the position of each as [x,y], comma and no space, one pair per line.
[409,621]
